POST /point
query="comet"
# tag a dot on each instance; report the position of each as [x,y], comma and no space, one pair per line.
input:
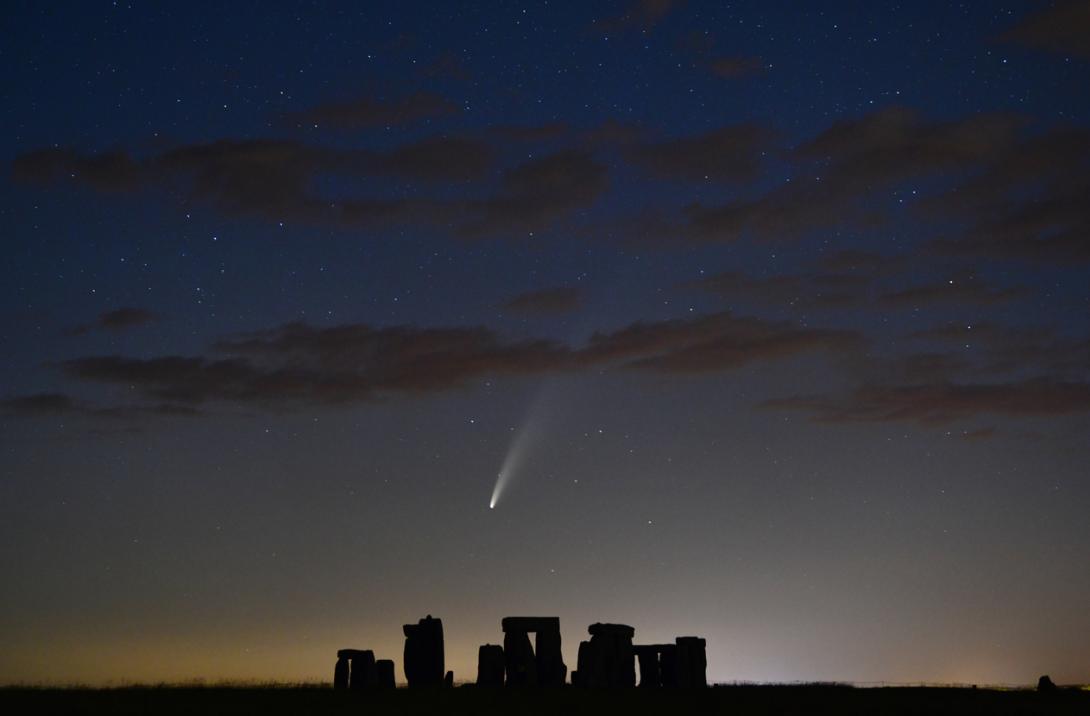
[543,413]
[525,438]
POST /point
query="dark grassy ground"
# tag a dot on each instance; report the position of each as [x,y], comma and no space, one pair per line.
[732,700]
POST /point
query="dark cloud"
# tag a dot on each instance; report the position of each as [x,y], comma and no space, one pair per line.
[434,159]
[978,434]
[535,194]
[941,403]
[1031,202]
[640,15]
[1063,27]
[962,333]
[613,133]
[715,342]
[264,177]
[298,365]
[855,260]
[108,171]
[979,185]
[736,67]
[797,290]
[549,300]
[1051,226]
[370,112]
[996,349]
[962,288]
[852,289]
[844,166]
[788,212]
[1043,159]
[969,370]
[60,404]
[126,317]
[700,45]
[250,168]
[276,180]
[923,368]
[697,43]
[730,154]
[531,133]
[119,319]
[896,143]
[446,66]
[39,404]
[172,378]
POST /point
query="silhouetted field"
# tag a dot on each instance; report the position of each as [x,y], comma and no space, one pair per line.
[734,700]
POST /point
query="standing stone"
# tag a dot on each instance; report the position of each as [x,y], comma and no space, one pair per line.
[340,674]
[551,670]
[363,671]
[620,660]
[384,673]
[490,665]
[692,662]
[519,660]
[544,662]
[608,659]
[582,675]
[650,673]
[668,665]
[589,661]
[424,661]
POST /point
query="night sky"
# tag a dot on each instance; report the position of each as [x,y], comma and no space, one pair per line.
[765,324]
